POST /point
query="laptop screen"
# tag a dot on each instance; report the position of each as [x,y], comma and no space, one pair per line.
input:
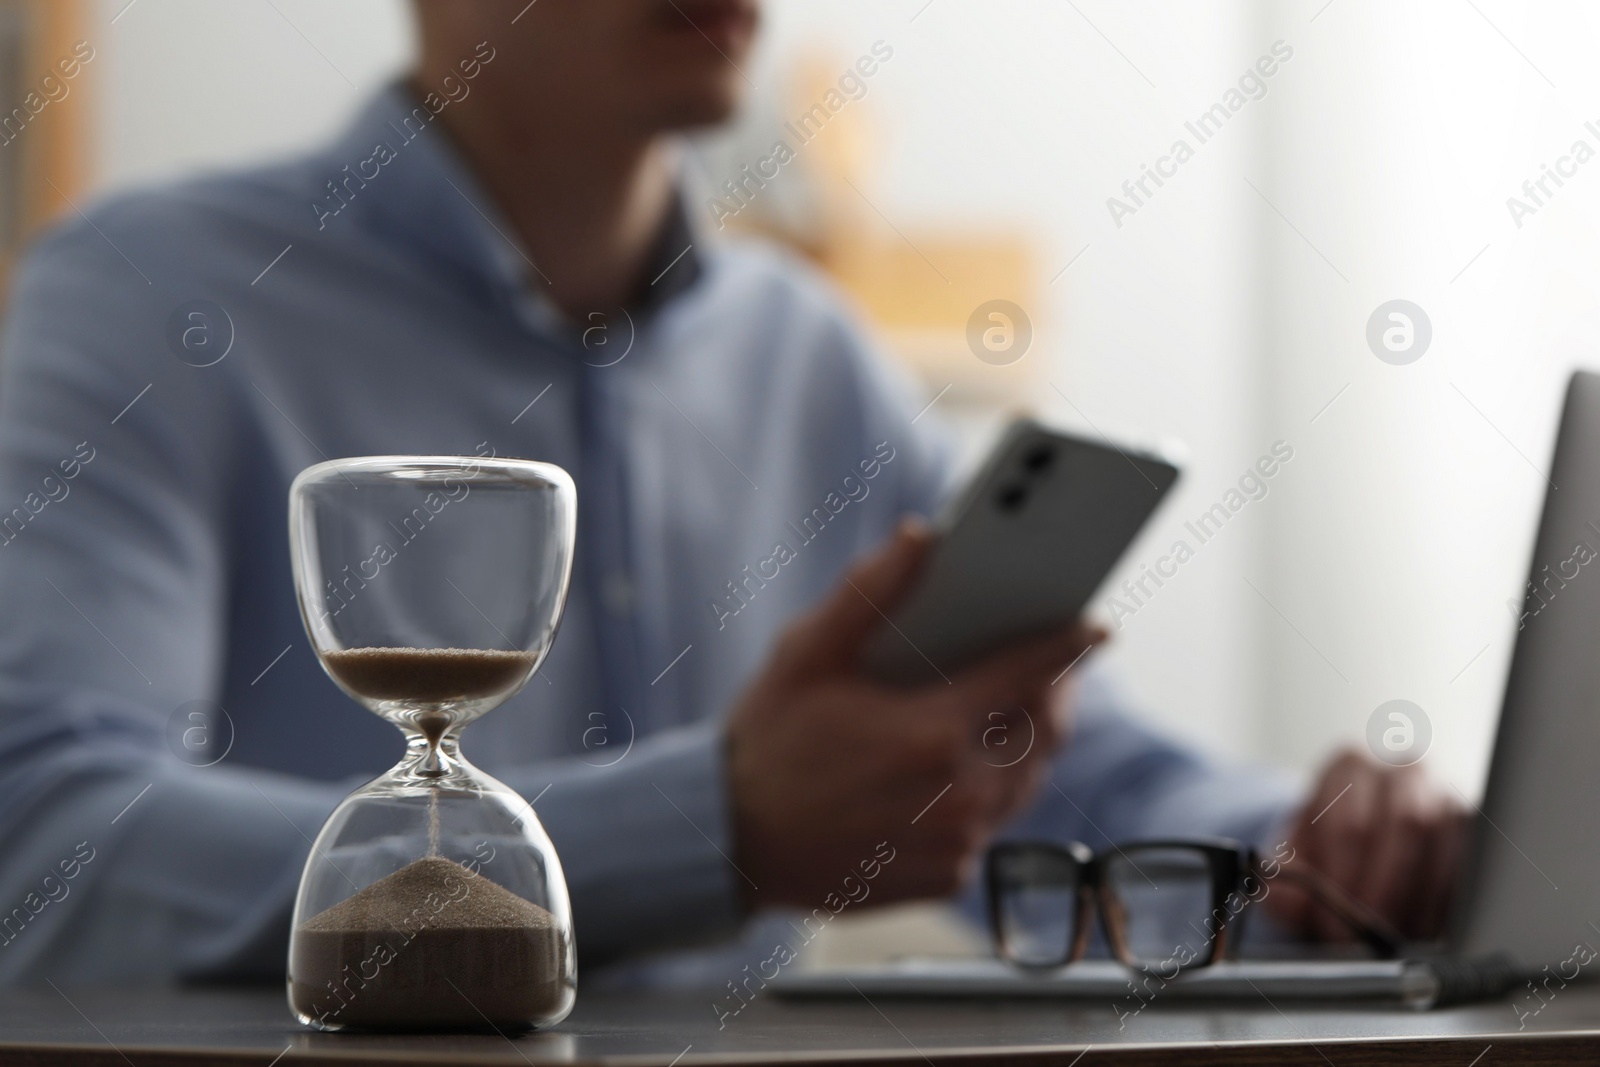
[1531,886]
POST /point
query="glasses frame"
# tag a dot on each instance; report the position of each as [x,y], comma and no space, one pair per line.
[1230,866]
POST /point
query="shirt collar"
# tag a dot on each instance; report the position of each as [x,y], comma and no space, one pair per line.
[428,195]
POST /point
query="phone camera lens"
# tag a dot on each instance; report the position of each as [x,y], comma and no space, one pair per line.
[1012,497]
[1038,460]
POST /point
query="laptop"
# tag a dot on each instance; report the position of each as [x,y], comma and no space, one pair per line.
[1530,893]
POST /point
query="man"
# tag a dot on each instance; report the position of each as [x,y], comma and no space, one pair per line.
[458,274]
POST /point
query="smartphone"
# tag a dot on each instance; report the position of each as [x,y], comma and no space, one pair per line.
[1020,551]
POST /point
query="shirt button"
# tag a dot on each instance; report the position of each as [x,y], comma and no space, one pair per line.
[618,595]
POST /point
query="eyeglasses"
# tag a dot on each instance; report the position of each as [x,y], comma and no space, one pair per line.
[1168,905]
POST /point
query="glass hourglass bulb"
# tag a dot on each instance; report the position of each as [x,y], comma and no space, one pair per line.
[431,588]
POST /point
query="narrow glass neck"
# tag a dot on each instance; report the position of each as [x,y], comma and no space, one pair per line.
[425,761]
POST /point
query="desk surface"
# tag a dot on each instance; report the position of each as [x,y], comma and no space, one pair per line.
[154,1027]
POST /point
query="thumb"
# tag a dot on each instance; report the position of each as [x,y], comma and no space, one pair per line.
[831,635]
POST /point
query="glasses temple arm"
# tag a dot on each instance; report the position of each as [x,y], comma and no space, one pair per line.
[1382,938]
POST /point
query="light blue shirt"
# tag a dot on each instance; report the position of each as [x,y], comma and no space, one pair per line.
[144,563]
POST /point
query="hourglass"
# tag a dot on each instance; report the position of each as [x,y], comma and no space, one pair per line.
[431,587]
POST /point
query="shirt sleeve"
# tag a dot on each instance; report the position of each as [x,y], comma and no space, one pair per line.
[1118,781]
[645,844]
[113,568]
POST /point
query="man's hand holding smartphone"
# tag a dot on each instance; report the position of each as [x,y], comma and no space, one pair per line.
[825,763]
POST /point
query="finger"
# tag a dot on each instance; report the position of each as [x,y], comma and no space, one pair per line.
[1337,833]
[1438,882]
[831,635]
[1418,907]
[1063,715]
[1341,851]
[1015,777]
[1399,832]
[1425,905]
[1053,708]
[1007,737]
[1091,635]
[1295,907]
[1019,788]
[1035,727]
[1009,676]
[1016,748]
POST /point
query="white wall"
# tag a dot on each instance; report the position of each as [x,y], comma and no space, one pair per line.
[1411,522]
[188,83]
[1388,545]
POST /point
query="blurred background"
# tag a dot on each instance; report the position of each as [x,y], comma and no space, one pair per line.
[1226,307]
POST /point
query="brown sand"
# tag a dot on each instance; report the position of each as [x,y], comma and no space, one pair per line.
[429,675]
[432,946]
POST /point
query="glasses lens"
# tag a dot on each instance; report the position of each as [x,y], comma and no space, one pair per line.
[1037,898]
[1163,897]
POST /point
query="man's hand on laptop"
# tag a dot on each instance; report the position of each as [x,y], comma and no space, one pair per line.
[1386,835]
[825,765]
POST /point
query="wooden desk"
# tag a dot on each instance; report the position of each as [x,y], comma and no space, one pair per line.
[153,1027]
